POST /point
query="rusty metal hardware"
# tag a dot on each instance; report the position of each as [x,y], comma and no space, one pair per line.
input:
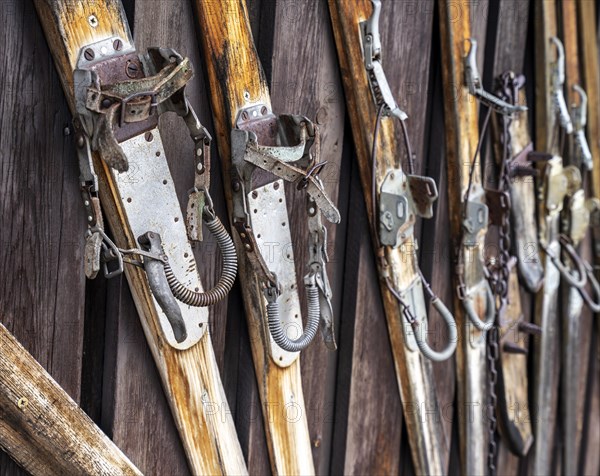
[557,84]
[473,81]
[371,43]
[281,145]
[119,96]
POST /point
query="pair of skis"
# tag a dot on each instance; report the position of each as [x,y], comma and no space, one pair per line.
[116,95]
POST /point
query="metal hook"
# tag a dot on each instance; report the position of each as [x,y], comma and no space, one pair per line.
[473,80]
[380,88]
[558,80]
[579,113]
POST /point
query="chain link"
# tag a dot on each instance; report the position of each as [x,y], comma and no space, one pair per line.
[499,271]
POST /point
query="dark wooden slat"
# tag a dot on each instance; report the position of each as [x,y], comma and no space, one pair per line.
[368,418]
[135,411]
[41,222]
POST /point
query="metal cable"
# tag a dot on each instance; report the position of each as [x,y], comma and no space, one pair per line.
[226,280]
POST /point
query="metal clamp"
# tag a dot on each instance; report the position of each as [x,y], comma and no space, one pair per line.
[378,83]
[475,85]
[557,83]
[582,151]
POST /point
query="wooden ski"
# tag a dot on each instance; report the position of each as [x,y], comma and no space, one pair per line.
[555,183]
[258,147]
[370,103]
[576,323]
[42,428]
[476,306]
[116,96]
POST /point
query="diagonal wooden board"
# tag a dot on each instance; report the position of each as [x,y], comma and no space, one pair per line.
[190,377]
[42,428]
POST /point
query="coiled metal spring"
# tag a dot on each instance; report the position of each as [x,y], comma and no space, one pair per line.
[226,280]
[312,322]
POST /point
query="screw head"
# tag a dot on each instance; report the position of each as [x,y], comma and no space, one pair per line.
[132,69]
[118,45]
[245,116]
[148,136]
[93,21]
[89,54]
[263,110]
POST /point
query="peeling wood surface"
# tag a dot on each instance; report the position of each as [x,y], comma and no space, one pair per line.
[354,412]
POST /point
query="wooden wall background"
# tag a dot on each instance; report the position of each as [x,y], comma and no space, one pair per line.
[88,335]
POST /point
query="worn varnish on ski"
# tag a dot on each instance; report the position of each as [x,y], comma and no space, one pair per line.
[42,428]
[256,145]
[356,29]
[81,34]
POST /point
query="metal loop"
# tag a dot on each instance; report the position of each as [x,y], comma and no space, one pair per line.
[593,305]
[580,279]
[490,310]
[426,350]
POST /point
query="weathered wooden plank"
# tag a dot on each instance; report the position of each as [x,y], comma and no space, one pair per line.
[42,428]
[314,90]
[41,224]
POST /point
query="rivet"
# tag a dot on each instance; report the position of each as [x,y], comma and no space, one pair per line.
[236,186]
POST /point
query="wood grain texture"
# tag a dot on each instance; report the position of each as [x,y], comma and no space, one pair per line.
[190,378]
[42,285]
[236,79]
[315,90]
[42,428]
[575,335]
[414,372]
[546,363]
[462,135]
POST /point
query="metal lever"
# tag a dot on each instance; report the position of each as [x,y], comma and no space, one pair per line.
[473,80]
[380,88]
[579,113]
[155,271]
[558,80]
